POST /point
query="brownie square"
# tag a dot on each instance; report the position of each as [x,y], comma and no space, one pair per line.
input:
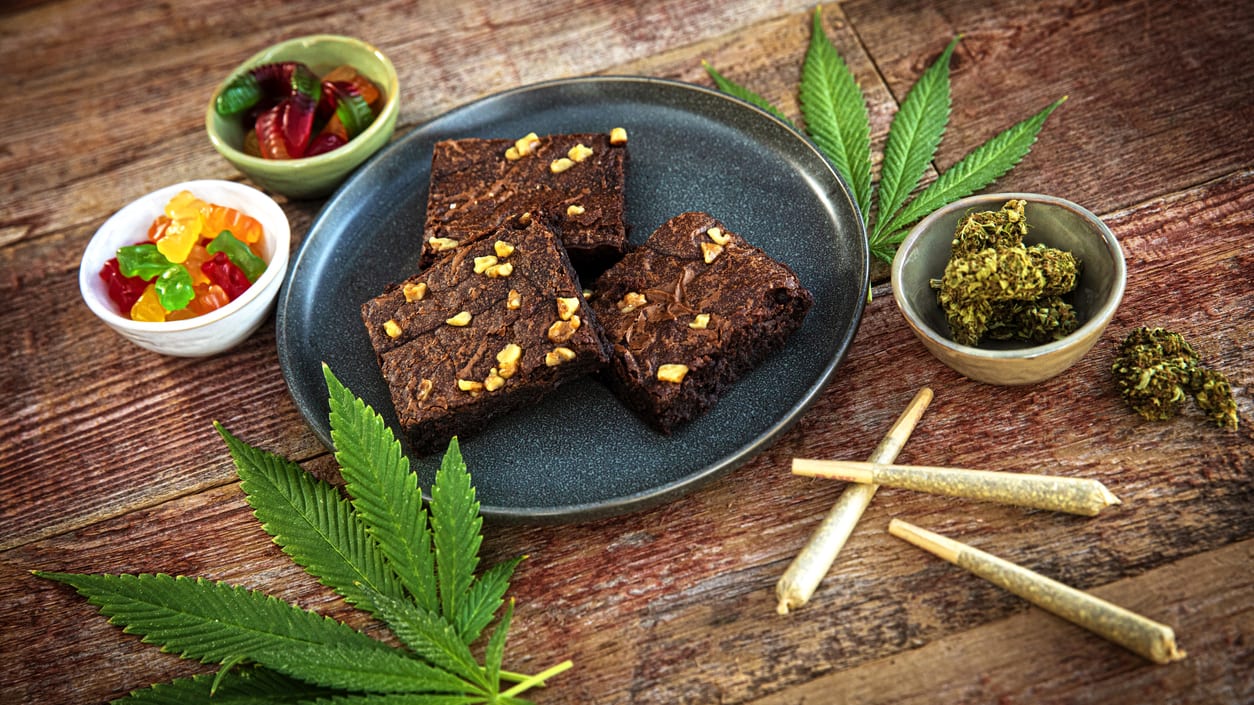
[479,184]
[689,313]
[495,326]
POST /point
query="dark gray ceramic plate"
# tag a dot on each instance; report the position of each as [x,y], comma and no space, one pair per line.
[580,454]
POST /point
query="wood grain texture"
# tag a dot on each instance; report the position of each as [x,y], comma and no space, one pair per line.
[674,604]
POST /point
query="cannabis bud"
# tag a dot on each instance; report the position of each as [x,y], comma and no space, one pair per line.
[1157,370]
[996,287]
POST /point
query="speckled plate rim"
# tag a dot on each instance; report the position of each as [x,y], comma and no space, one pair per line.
[791,166]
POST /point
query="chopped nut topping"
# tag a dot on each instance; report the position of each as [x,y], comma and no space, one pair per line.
[562,331]
[514,300]
[482,263]
[508,359]
[574,209]
[424,389]
[493,381]
[512,154]
[523,146]
[559,165]
[618,136]
[461,319]
[700,322]
[415,292]
[470,385]
[441,244]
[558,355]
[503,249]
[567,306]
[672,373]
[499,271]
[509,353]
[525,218]
[392,328]
[579,153]
[718,236]
[631,301]
[710,251]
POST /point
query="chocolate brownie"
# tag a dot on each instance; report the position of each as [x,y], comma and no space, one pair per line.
[689,313]
[573,182]
[495,326]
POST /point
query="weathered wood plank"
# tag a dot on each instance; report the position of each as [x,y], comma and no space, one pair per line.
[1125,67]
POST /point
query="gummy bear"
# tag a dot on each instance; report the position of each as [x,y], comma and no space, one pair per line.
[219,218]
[147,307]
[239,254]
[183,231]
[124,291]
[224,273]
[198,256]
[209,298]
[156,231]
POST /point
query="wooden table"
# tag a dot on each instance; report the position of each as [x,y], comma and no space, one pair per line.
[108,462]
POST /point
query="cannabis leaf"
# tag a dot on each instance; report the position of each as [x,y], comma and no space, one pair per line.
[744,93]
[379,549]
[836,118]
[836,114]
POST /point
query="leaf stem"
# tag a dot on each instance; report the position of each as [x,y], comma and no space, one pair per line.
[536,680]
[514,677]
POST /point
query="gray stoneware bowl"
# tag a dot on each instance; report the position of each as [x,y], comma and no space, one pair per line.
[1058,223]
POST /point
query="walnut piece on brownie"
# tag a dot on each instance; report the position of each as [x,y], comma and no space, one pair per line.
[475,335]
[574,182]
[690,312]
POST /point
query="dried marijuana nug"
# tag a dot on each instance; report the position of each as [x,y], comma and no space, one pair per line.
[1157,370]
[996,287]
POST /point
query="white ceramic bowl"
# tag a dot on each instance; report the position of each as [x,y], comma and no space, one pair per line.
[219,329]
[1058,223]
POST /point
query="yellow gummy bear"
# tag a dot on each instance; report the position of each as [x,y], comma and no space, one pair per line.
[186,223]
[148,307]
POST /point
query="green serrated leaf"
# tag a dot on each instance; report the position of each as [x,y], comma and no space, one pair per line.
[495,651]
[734,89]
[431,637]
[913,138]
[313,524]
[483,599]
[977,169]
[224,669]
[207,620]
[384,491]
[456,525]
[374,671]
[402,699]
[836,114]
[241,686]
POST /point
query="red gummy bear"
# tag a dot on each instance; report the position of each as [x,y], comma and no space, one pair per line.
[123,290]
[223,272]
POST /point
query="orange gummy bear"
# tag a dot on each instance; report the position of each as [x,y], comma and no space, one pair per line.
[243,227]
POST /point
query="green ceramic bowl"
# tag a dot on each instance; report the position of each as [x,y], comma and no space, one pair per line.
[924,253]
[318,176]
